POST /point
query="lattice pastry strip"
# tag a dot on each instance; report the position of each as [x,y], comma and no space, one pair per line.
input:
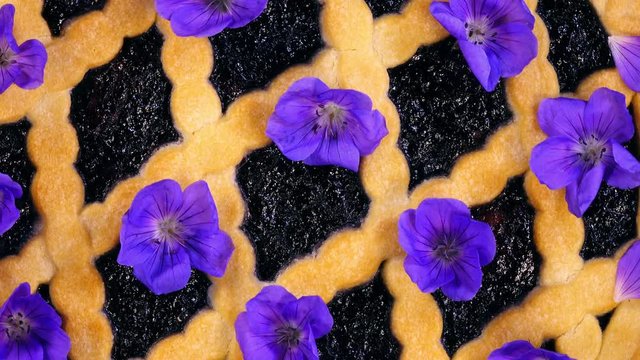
[356,58]
[90,41]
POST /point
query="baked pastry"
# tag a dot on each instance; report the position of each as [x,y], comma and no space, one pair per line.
[126,102]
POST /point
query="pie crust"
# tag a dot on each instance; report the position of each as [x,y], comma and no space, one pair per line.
[358,52]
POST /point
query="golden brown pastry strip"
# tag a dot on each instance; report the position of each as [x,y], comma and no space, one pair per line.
[358,59]
[89,41]
[32,265]
[583,341]
[76,288]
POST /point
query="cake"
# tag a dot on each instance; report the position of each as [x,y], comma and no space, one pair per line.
[126,102]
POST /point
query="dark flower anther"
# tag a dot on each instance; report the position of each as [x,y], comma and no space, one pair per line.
[203,18]
[167,231]
[9,192]
[321,126]
[523,350]
[445,247]
[30,329]
[495,36]
[278,326]
[21,65]
[585,147]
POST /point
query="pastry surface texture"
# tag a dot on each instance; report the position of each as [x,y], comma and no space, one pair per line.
[211,136]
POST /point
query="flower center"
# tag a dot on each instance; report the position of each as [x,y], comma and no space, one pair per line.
[6,56]
[17,326]
[478,30]
[169,229]
[221,5]
[592,150]
[331,117]
[447,249]
[288,335]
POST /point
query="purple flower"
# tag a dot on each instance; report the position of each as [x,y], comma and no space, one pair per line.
[9,192]
[523,350]
[167,231]
[495,36]
[30,329]
[321,126]
[203,18]
[628,275]
[445,247]
[22,65]
[584,147]
[626,54]
[278,326]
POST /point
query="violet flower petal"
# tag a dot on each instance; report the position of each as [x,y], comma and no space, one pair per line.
[479,236]
[136,241]
[516,36]
[199,20]
[413,241]
[626,54]
[254,346]
[555,162]
[7,13]
[429,276]
[9,213]
[311,311]
[562,117]
[168,270]
[25,351]
[245,11]
[209,249]
[483,64]
[467,279]
[580,194]
[367,136]
[447,18]
[523,350]
[507,11]
[274,295]
[607,116]
[434,216]
[341,151]
[154,202]
[628,275]
[30,62]
[626,169]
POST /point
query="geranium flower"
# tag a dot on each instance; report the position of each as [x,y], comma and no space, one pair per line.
[9,192]
[278,326]
[495,36]
[204,18]
[321,126]
[585,146]
[167,231]
[21,65]
[523,350]
[30,329]
[445,248]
